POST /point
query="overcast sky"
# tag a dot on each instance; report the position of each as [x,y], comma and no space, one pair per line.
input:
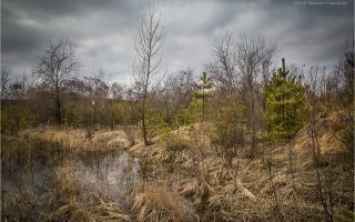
[305,32]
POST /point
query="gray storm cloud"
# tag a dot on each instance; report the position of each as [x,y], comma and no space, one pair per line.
[104,30]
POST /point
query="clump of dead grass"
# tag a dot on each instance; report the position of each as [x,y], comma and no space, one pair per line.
[76,139]
[77,211]
[67,138]
[117,138]
[158,203]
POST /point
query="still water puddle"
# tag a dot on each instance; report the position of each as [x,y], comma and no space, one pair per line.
[34,181]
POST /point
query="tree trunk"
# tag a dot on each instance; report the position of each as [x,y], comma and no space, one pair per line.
[252,119]
[144,129]
[58,111]
[112,116]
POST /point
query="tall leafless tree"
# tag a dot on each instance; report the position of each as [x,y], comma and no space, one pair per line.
[56,64]
[254,59]
[323,184]
[241,68]
[150,38]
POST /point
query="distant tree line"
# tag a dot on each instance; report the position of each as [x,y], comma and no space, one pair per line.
[249,98]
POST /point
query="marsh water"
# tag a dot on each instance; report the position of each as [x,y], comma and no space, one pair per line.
[38,178]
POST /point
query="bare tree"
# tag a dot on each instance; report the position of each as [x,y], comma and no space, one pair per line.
[254,59]
[180,86]
[176,94]
[323,184]
[17,92]
[98,91]
[239,68]
[116,90]
[147,47]
[5,80]
[224,68]
[56,64]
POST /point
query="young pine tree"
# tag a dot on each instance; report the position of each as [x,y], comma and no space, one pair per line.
[201,93]
[284,105]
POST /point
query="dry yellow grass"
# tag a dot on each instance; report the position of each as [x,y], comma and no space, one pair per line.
[158,203]
[75,211]
[76,138]
[243,192]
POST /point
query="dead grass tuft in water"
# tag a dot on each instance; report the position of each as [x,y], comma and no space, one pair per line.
[72,205]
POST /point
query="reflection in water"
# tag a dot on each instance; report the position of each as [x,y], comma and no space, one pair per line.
[36,181]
